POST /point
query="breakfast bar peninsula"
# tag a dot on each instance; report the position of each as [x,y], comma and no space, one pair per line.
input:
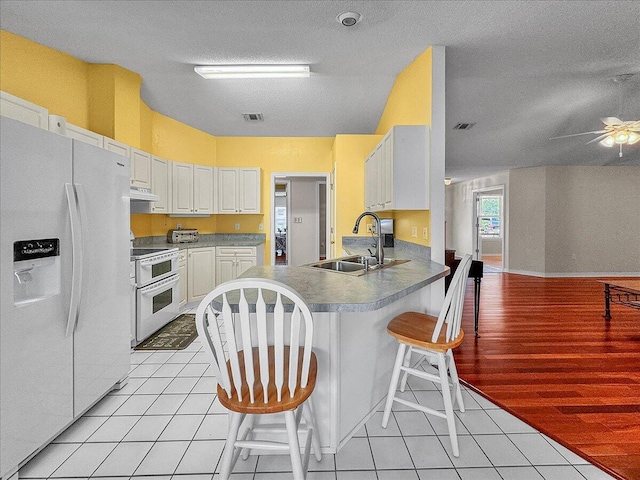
[355,354]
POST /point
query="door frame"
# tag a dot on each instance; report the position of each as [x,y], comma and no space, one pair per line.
[281,177]
[475,224]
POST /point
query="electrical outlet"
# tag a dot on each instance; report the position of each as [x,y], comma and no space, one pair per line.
[179,226]
[369,228]
[237,226]
[414,231]
[425,233]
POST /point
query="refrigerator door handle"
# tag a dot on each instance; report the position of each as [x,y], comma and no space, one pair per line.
[76,265]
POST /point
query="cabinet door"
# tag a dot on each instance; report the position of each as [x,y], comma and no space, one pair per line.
[202,189]
[183,285]
[200,272]
[243,264]
[228,190]
[370,183]
[117,147]
[182,188]
[386,170]
[377,178]
[249,190]
[23,111]
[161,185]
[140,168]
[83,135]
[225,269]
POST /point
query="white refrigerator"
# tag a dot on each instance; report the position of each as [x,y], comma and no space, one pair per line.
[64,270]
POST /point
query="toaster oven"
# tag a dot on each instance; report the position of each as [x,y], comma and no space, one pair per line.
[182,236]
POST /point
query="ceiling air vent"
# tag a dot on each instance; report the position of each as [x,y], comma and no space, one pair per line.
[253,117]
[463,126]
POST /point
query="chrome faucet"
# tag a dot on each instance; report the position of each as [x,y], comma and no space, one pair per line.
[379,251]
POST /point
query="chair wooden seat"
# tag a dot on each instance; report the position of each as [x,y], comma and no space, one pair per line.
[272,405]
[415,328]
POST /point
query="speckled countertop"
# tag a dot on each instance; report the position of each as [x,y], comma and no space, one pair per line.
[327,291]
[206,240]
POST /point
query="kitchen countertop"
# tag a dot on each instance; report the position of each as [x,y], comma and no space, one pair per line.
[206,240]
[335,292]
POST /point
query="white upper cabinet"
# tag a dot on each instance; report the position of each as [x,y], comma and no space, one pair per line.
[140,168]
[161,184]
[23,111]
[84,135]
[182,188]
[203,189]
[192,189]
[397,171]
[238,190]
[117,147]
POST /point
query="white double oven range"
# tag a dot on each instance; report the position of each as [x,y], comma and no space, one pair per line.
[156,290]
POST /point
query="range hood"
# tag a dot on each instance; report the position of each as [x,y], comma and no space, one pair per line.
[142,195]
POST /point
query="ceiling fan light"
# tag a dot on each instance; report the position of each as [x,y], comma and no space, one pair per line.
[621,137]
[608,142]
[633,138]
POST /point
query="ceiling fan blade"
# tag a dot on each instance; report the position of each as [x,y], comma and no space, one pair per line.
[597,139]
[611,121]
[578,134]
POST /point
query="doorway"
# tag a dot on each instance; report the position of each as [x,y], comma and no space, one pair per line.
[300,223]
[489,228]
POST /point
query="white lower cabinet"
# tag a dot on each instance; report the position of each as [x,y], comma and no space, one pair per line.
[201,264]
[183,270]
[231,262]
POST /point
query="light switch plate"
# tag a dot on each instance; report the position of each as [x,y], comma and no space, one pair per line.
[414,231]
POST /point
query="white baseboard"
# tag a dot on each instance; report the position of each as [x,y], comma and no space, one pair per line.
[572,274]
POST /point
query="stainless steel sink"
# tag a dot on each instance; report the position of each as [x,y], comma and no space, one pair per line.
[354,265]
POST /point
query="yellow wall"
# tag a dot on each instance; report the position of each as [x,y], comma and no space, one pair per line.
[46,77]
[271,155]
[349,154]
[181,143]
[409,103]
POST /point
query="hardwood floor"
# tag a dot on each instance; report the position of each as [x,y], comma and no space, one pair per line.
[546,355]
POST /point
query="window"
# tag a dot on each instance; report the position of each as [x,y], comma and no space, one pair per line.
[281,219]
[490,216]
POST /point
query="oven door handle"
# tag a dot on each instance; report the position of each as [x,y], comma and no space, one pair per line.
[150,262]
[160,285]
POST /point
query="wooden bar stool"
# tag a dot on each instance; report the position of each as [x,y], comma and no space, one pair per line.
[433,338]
[257,377]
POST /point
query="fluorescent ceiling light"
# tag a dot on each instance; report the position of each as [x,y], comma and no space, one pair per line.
[252,71]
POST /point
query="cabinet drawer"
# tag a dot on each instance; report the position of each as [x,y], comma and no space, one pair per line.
[238,251]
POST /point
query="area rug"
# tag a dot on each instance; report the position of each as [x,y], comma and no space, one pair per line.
[176,335]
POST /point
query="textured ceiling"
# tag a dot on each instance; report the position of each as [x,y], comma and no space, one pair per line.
[523,71]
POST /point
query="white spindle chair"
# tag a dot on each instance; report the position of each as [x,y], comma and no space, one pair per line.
[258,370]
[434,338]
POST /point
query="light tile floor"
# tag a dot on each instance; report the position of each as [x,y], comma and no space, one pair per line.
[166,424]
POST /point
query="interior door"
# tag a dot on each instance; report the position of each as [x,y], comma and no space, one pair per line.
[102,337]
[36,356]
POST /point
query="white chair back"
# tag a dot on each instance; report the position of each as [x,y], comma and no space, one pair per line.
[240,308]
[451,312]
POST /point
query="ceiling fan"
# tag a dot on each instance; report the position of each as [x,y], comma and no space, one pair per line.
[615,131]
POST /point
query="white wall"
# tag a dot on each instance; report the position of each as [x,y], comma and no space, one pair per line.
[593,220]
[560,221]
[459,210]
[303,237]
